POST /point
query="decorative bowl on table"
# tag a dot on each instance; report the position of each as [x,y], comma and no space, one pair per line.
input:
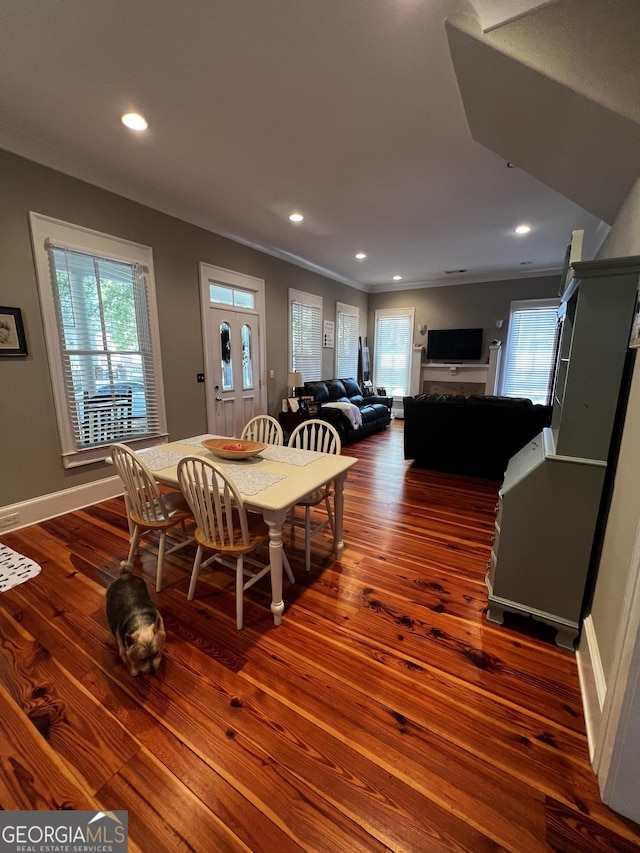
[233,448]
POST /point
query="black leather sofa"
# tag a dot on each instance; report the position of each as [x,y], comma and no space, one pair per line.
[471,435]
[375,411]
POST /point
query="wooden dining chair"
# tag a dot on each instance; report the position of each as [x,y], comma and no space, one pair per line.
[224,526]
[314,434]
[263,428]
[149,509]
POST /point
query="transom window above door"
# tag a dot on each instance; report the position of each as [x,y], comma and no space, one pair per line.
[239,298]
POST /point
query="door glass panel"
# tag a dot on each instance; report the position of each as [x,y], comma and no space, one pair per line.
[243,299]
[225,357]
[221,295]
[247,360]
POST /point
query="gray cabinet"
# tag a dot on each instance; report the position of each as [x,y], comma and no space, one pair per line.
[549,501]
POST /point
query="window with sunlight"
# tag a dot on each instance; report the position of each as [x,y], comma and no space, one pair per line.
[347,328]
[392,355]
[305,334]
[102,341]
[530,349]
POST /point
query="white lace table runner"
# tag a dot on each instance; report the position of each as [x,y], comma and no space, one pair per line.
[157,458]
[248,480]
[290,455]
[196,440]
[273,452]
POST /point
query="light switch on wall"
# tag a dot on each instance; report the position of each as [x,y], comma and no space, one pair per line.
[272,374]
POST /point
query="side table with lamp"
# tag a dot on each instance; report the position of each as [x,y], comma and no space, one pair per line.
[291,417]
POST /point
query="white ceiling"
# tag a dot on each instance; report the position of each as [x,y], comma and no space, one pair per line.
[347,110]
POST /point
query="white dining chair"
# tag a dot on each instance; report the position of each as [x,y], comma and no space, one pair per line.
[314,434]
[224,526]
[263,428]
[149,509]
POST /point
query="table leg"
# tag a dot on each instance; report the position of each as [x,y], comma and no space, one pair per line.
[275,520]
[338,505]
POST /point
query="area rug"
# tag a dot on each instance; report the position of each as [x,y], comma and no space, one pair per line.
[15,568]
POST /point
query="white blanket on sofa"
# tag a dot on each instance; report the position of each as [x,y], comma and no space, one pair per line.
[350,410]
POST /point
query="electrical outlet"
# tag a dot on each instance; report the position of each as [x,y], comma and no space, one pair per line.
[8,520]
[199,377]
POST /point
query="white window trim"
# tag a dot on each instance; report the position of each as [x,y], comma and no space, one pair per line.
[353,311]
[382,313]
[306,299]
[43,229]
[522,305]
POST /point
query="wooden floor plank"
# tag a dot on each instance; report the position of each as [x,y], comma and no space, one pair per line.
[163,813]
[385,714]
[249,824]
[81,731]
[32,776]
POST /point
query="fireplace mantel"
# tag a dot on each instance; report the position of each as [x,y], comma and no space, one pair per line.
[462,378]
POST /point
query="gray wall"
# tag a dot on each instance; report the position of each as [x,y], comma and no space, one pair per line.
[617,640]
[624,513]
[30,463]
[465,305]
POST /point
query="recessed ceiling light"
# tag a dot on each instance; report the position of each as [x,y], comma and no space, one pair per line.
[134,121]
[522,229]
[397,278]
[296,217]
[361,256]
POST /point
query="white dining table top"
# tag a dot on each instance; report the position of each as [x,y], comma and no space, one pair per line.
[275,480]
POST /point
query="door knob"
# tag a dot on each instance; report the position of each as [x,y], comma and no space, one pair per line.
[218,399]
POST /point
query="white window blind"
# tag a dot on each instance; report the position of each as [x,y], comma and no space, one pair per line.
[392,357]
[530,349]
[305,324]
[347,328]
[102,339]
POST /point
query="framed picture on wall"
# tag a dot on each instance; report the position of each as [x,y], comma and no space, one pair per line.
[12,339]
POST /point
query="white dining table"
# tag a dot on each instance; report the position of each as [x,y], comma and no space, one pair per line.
[271,483]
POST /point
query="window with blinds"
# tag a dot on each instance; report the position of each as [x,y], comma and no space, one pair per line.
[102,340]
[392,356]
[530,349]
[347,328]
[305,332]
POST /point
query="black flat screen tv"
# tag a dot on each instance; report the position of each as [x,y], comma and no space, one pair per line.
[454,344]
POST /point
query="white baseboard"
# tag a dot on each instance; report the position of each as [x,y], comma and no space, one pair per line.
[593,686]
[43,507]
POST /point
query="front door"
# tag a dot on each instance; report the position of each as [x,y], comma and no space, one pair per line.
[235,365]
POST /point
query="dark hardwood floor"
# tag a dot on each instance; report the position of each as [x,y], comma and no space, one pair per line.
[385,714]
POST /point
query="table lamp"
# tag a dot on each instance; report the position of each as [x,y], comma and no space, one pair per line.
[294,381]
